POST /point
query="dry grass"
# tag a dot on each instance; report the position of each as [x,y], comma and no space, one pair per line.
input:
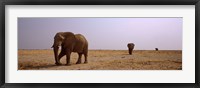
[103,60]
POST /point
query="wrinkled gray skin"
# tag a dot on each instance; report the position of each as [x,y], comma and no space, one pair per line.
[130,47]
[69,43]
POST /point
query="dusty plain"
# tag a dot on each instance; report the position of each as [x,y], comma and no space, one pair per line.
[103,60]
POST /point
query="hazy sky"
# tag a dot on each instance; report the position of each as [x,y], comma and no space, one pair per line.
[103,33]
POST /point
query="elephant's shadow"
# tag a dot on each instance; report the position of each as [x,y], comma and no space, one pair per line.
[46,66]
[125,54]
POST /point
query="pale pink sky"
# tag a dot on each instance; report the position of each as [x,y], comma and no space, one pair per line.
[103,33]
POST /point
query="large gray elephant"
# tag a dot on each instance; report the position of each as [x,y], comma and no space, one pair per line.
[70,42]
[130,47]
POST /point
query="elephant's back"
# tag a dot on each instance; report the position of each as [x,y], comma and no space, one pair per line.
[81,43]
[81,39]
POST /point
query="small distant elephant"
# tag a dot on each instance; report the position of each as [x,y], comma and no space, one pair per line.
[130,47]
[156,49]
[69,43]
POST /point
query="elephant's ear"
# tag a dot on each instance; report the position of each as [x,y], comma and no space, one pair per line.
[69,39]
[61,36]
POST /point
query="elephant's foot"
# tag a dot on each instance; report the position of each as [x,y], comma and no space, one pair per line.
[58,64]
[85,62]
[78,62]
[68,64]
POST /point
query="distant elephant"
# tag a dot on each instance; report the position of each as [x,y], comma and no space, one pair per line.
[156,49]
[70,42]
[130,47]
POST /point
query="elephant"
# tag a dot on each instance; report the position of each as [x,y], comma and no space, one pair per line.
[156,49]
[69,43]
[130,47]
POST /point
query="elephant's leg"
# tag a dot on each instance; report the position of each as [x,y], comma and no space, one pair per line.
[68,58]
[60,56]
[86,61]
[79,58]
[130,51]
[62,53]
[58,61]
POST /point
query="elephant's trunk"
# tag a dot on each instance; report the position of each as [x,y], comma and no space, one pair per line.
[130,51]
[55,49]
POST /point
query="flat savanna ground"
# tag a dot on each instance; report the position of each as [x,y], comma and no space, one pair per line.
[103,60]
